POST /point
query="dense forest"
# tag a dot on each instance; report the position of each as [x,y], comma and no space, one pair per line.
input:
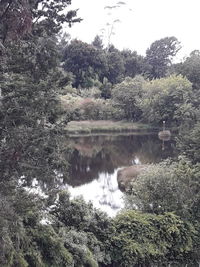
[48,80]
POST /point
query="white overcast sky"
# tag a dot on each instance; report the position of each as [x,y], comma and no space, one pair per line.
[142,22]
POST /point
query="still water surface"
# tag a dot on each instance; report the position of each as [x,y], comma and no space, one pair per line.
[95,161]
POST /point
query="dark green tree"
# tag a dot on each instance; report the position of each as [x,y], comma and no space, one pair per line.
[29,137]
[189,143]
[133,63]
[159,56]
[116,68]
[86,62]
[191,68]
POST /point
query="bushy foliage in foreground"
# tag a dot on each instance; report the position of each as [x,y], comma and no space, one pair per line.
[144,239]
[168,186]
[76,234]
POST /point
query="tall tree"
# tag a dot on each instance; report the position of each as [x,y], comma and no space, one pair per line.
[29,78]
[191,68]
[159,56]
[86,62]
[133,63]
[115,65]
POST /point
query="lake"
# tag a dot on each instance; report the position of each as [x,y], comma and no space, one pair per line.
[95,161]
[93,165]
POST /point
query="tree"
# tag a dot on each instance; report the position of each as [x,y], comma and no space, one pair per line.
[159,56]
[191,68]
[15,19]
[29,137]
[168,99]
[86,62]
[115,65]
[85,225]
[188,143]
[98,43]
[127,94]
[133,63]
[20,17]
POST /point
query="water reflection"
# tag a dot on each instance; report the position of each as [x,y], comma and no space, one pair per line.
[94,155]
[95,160]
[103,192]
[94,163]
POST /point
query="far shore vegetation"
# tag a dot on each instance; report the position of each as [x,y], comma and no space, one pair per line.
[106,126]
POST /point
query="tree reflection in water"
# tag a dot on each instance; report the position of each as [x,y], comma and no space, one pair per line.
[95,160]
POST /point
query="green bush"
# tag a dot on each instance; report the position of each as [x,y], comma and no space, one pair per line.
[167,99]
[144,239]
[168,186]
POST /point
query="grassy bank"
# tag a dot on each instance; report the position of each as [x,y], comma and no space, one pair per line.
[101,126]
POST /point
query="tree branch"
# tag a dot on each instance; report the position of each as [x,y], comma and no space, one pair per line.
[6,10]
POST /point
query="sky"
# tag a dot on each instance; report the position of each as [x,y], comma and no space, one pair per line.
[141,23]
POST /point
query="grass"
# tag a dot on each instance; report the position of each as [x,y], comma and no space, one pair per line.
[103,126]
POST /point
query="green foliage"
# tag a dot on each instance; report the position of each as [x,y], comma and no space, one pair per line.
[73,107]
[188,143]
[86,62]
[159,56]
[133,63]
[32,147]
[97,42]
[92,92]
[191,68]
[144,239]
[16,19]
[127,95]
[25,101]
[77,243]
[167,187]
[168,99]
[50,247]
[106,88]
[87,227]
[115,65]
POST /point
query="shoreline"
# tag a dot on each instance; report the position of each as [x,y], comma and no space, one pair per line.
[104,127]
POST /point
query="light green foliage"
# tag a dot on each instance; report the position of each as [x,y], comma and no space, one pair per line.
[74,107]
[127,95]
[167,99]
[77,243]
[146,239]
[92,92]
[167,187]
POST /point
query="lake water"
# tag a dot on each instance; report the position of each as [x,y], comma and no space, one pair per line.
[95,161]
